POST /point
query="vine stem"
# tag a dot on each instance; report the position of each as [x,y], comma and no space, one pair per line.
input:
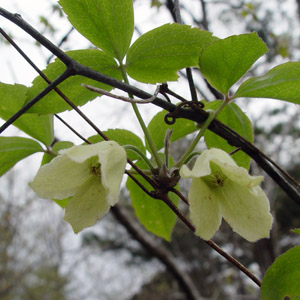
[222,106]
[212,115]
[151,144]
[196,140]
[141,154]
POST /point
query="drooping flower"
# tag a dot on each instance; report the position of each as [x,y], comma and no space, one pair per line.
[221,189]
[90,174]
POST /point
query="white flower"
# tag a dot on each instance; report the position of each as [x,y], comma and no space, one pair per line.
[90,174]
[219,189]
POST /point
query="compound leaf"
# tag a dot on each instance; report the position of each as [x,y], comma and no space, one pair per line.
[71,87]
[283,277]
[281,82]
[14,149]
[224,62]
[157,55]
[12,98]
[108,24]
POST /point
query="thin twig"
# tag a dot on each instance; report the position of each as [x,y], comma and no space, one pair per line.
[177,12]
[122,98]
[72,129]
[204,15]
[190,79]
[63,40]
[189,75]
[139,184]
[37,98]
[180,195]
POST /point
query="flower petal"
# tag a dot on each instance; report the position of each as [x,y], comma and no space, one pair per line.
[112,158]
[247,210]
[204,209]
[60,178]
[238,174]
[113,162]
[88,205]
[81,153]
[202,165]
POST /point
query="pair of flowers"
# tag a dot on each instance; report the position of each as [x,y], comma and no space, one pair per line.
[91,176]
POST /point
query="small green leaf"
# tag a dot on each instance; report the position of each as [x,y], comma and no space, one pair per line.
[154,214]
[224,62]
[108,24]
[157,55]
[122,137]
[283,277]
[236,119]
[61,145]
[281,82]
[12,98]
[157,128]
[56,147]
[62,203]
[14,149]
[71,87]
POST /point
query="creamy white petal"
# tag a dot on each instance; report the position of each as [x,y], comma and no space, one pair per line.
[112,158]
[202,164]
[247,210]
[113,161]
[238,174]
[81,153]
[88,205]
[60,178]
[201,167]
[204,209]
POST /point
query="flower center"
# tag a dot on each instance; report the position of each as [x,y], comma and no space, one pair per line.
[95,170]
[94,166]
[217,178]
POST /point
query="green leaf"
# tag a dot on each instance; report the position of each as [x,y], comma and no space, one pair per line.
[108,24]
[71,87]
[122,137]
[56,147]
[157,55]
[154,214]
[12,98]
[157,128]
[62,203]
[281,82]
[237,120]
[224,62]
[14,149]
[283,277]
